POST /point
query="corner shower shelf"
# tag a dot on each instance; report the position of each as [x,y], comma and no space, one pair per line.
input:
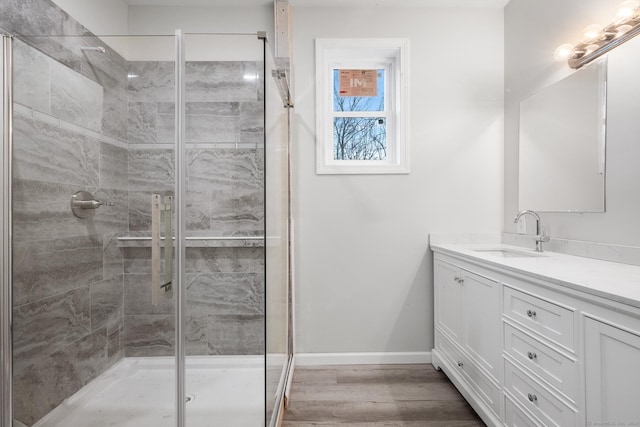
[197,242]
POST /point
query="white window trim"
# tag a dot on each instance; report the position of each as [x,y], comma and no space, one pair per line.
[390,54]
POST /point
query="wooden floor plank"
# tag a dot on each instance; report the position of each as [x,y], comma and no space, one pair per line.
[376,395]
[376,392]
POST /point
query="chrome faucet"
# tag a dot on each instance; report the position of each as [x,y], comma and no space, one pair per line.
[540,234]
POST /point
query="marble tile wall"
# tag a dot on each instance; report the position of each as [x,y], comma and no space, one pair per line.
[225,197]
[69,135]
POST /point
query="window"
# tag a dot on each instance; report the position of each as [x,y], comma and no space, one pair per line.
[361,106]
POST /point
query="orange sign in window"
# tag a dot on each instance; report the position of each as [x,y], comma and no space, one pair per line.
[358,82]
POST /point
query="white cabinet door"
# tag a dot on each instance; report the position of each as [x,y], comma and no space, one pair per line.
[448,300]
[611,357]
[482,328]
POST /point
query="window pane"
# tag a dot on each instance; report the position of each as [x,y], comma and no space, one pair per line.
[358,103]
[359,138]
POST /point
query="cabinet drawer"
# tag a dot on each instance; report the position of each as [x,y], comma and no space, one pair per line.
[537,399]
[481,385]
[553,367]
[549,320]
[515,417]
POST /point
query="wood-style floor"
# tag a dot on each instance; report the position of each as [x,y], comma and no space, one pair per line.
[376,395]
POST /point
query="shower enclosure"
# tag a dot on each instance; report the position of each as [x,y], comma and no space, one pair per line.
[145,230]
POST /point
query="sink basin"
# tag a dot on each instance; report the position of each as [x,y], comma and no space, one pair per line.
[506,253]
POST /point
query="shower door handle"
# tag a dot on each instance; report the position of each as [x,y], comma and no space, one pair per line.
[155,249]
[159,209]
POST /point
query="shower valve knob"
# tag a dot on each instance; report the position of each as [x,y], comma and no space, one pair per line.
[83,204]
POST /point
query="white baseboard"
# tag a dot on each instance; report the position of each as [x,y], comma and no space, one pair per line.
[321,359]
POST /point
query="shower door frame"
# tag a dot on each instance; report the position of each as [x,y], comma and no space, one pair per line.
[6,353]
[180,188]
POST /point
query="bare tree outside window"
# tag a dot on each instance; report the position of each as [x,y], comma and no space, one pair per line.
[359,138]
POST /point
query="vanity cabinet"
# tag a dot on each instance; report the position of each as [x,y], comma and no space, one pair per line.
[467,318]
[612,356]
[525,351]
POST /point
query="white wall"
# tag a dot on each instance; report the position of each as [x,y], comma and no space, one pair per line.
[101,17]
[202,19]
[363,273]
[533,30]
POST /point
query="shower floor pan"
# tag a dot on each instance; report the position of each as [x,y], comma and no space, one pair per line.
[140,392]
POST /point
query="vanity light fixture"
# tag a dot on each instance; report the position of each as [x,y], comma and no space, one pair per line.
[598,40]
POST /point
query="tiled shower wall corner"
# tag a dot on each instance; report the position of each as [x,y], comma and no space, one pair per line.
[225,197]
[67,272]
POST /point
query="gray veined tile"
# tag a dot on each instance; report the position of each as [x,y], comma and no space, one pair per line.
[196,335]
[137,297]
[198,213]
[220,170]
[113,172]
[31,86]
[151,81]
[224,109]
[166,128]
[107,301]
[225,260]
[140,209]
[240,210]
[225,293]
[252,122]
[41,211]
[110,219]
[137,260]
[151,170]
[75,98]
[166,123]
[233,334]
[44,382]
[113,152]
[149,335]
[43,152]
[50,324]
[112,255]
[209,129]
[221,81]
[108,69]
[48,267]
[114,116]
[141,126]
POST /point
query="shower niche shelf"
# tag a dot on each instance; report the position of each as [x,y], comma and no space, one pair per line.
[196,242]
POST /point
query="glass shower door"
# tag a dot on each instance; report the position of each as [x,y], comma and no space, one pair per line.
[225,214]
[92,142]
[99,309]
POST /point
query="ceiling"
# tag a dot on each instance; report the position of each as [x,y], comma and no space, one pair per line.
[344,3]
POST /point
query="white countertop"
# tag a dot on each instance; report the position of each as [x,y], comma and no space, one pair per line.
[610,280]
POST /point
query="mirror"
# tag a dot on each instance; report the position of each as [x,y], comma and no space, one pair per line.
[562,144]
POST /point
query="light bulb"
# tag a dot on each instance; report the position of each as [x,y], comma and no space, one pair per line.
[592,33]
[623,29]
[563,52]
[628,9]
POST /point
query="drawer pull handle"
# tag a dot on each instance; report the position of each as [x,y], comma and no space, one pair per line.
[531,355]
[531,313]
[458,279]
[532,398]
[460,364]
